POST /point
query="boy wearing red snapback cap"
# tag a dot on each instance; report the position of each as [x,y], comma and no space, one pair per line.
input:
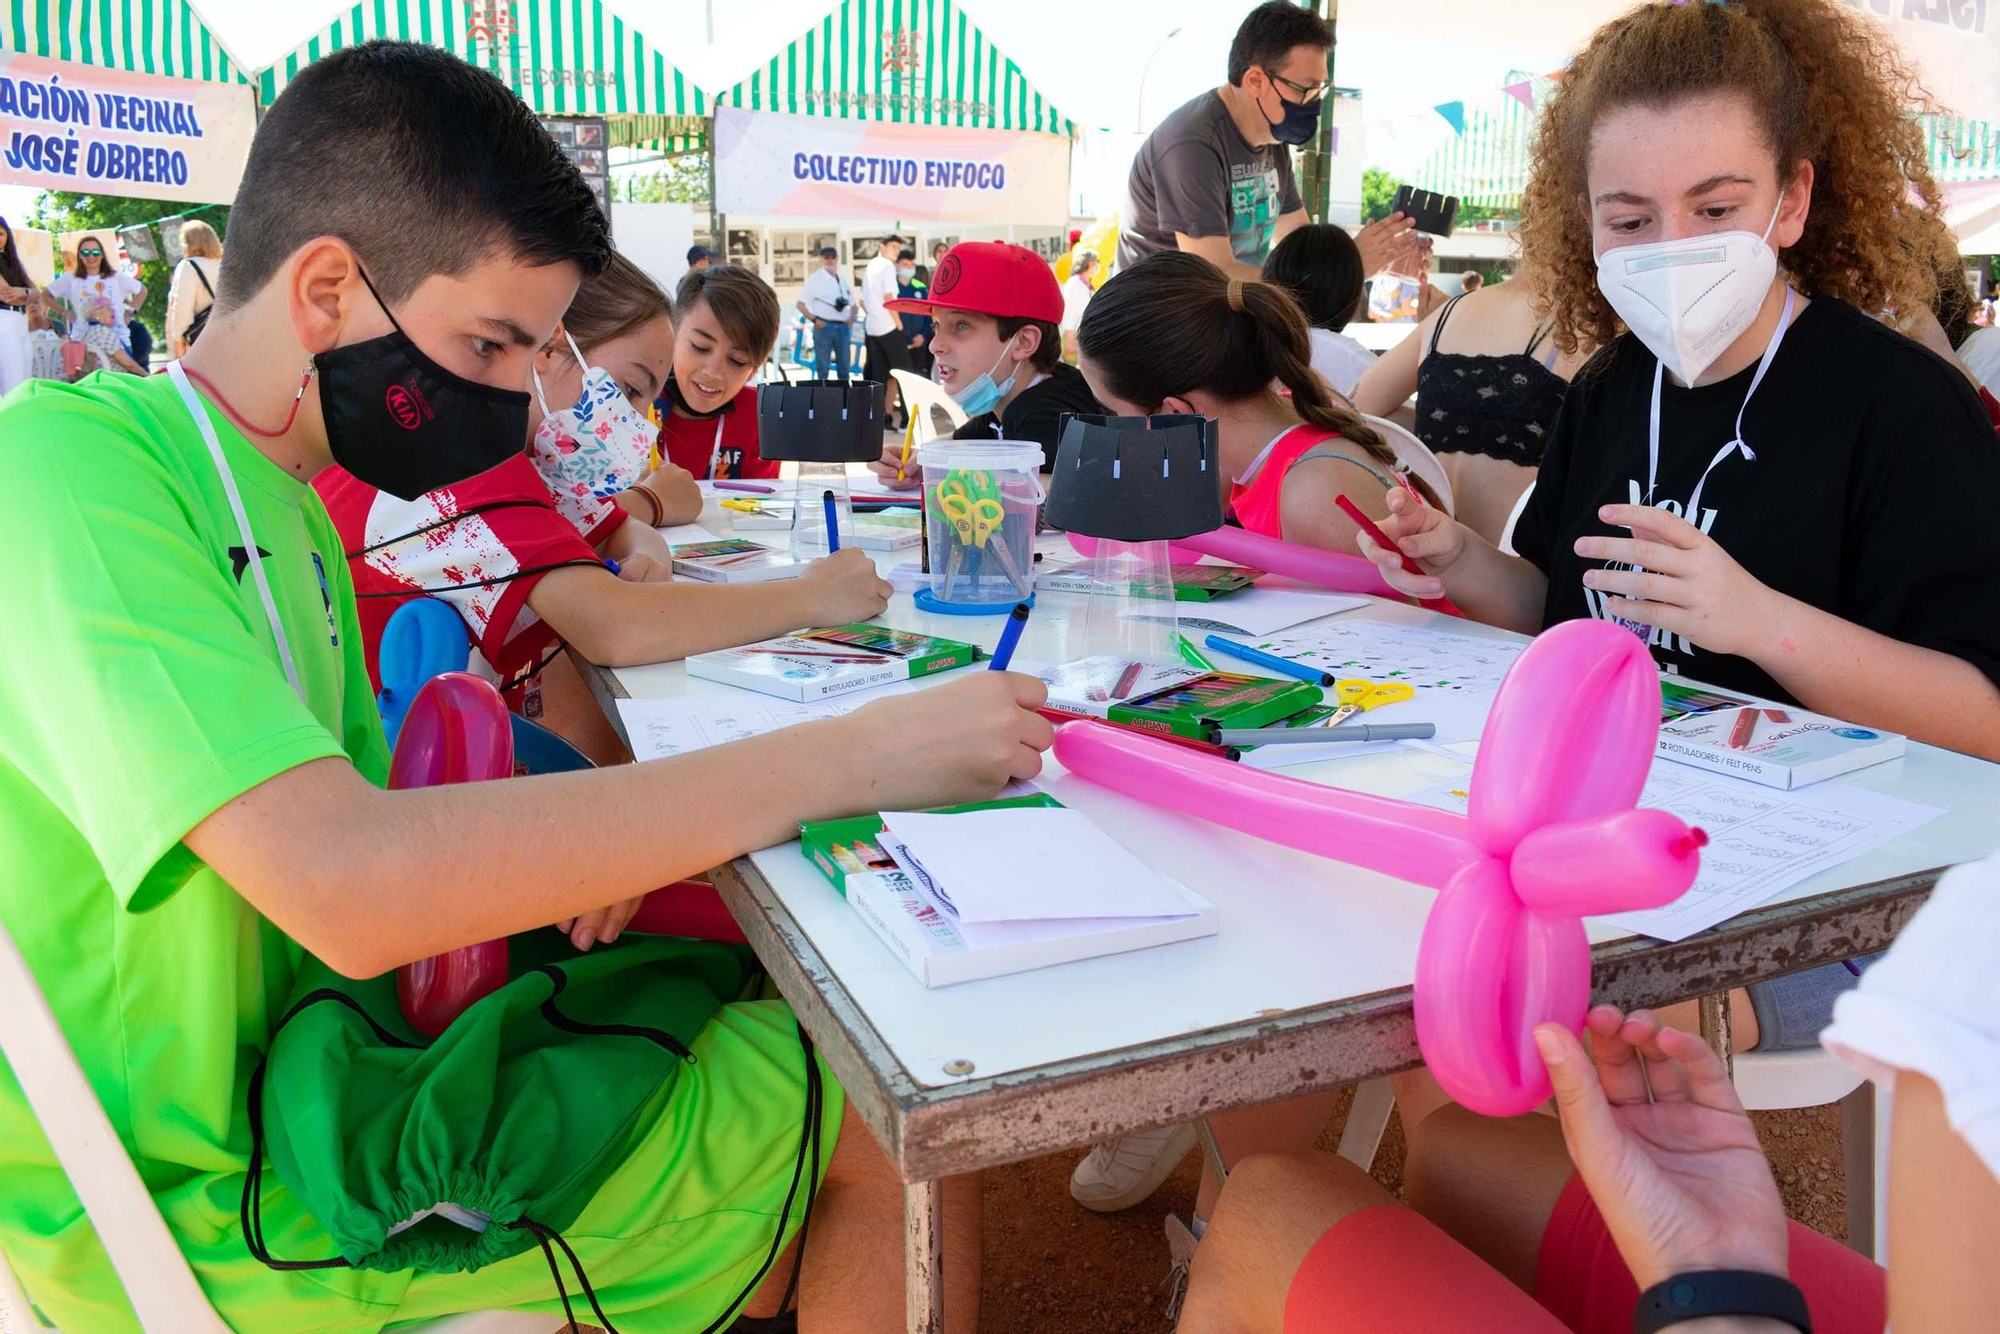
[996,345]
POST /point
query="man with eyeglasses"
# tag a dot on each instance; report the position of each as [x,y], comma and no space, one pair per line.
[1215,178]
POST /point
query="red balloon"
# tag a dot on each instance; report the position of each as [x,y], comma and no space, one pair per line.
[457,731]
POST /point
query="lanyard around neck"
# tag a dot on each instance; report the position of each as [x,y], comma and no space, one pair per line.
[715,454]
[207,429]
[1693,512]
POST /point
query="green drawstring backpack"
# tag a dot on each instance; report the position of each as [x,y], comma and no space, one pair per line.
[452,1153]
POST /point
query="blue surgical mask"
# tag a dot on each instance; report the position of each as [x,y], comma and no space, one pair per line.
[982,394]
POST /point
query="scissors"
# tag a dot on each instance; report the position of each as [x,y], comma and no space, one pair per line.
[1358,696]
[974,511]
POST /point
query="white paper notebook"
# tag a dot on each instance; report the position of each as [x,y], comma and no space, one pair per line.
[973,920]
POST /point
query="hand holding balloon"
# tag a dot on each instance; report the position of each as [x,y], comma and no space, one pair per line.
[1552,834]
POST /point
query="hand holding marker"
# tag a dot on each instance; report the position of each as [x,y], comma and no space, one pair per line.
[1381,539]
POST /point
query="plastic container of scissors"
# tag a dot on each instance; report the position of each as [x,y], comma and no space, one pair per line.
[980,500]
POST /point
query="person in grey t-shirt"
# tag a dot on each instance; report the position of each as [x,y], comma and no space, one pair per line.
[1215,178]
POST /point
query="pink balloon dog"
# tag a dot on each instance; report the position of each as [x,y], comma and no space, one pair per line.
[1552,834]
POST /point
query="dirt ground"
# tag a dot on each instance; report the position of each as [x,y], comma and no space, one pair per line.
[1053,1267]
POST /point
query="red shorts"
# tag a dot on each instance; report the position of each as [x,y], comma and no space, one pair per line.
[1389,1270]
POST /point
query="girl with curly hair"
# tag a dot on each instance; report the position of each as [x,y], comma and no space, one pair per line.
[1723,197]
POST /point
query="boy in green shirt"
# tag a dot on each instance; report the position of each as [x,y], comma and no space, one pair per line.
[190,758]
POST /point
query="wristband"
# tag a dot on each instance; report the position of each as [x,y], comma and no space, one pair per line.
[1720,1292]
[659,510]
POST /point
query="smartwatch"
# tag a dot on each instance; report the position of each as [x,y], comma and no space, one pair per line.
[1720,1292]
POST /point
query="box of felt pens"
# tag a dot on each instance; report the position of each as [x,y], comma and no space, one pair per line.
[815,664]
[1180,701]
[1770,744]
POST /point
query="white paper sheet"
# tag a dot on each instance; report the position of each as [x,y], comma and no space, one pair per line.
[659,728]
[680,533]
[998,935]
[1761,840]
[1030,864]
[1257,611]
[1456,676]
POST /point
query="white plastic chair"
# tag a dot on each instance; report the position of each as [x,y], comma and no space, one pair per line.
[922,392]
[1415,455]
[155,1275]
[1767,1082]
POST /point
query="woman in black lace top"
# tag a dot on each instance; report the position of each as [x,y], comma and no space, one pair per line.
[1488,383]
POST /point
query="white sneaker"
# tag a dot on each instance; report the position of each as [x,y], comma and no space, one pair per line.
[1122,1172]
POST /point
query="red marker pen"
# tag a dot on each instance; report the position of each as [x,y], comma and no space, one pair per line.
[1381,539]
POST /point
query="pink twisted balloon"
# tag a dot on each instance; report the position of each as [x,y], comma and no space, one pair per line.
[1552,835]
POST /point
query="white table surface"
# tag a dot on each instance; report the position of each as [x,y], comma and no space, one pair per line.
[1296,930]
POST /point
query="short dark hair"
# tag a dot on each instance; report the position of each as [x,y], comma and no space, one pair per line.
[743,303]
[1320,265]
[697,253]
[1047,352]
[1269,32]
[370,144]
[832,250]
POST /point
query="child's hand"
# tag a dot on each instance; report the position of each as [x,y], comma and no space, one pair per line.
[1693,588]
[603,925]
[639,568]
[958,742]
[1428,536]
[844,587]
[1659,1136]
[892,459]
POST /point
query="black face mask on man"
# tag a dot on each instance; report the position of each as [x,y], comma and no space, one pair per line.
[1299,121]
[404,424]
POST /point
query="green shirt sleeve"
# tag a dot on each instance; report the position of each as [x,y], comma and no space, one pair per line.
[139,696]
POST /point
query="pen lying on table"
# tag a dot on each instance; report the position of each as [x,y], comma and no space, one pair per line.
[1302,736]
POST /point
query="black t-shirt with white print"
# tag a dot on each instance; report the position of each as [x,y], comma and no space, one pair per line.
[1872,495]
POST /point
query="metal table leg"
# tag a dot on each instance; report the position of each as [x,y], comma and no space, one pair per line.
[1714,1011]
[923,1256]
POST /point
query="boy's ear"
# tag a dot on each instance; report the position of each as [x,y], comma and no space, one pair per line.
[1024,349]
[1171,405]
[329,302]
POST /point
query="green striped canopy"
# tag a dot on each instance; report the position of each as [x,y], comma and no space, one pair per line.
[1488,164]
[920,61]
[139,36]
[564,57]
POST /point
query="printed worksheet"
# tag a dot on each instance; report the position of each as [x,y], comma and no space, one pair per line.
[1456,676]
[1761,840]
[662,727]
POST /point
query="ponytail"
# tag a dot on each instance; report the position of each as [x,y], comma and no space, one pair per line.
[1287,350]
[1173,322]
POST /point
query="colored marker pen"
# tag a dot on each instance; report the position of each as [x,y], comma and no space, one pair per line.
[1010,635]
[832,522]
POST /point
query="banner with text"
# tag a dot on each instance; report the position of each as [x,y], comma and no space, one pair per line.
[813,167]
[111,132]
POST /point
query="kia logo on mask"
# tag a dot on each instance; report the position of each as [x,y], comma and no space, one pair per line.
[407,407]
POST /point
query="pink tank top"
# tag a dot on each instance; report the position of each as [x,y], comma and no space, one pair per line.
[1259,505]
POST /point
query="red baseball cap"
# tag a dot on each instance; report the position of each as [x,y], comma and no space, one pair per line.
[991,278]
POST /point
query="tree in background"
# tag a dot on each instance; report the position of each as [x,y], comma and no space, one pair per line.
[678,180]
[64,211]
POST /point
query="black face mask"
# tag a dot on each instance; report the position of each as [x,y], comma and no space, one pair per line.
[688,409]
[1298,124]
[404,424]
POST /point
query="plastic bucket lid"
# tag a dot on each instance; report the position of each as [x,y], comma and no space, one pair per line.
[1005,455]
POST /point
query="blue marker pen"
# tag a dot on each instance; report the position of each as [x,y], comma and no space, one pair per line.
[1010,635]
[832,522]
[612,565]
[1271,660]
